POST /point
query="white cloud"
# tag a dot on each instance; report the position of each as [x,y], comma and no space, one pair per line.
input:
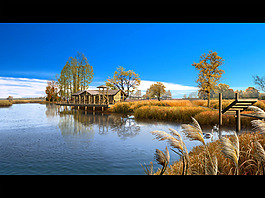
[29,87]
[177,90]
[22,87]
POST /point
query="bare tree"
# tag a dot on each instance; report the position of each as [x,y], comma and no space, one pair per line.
[260,82]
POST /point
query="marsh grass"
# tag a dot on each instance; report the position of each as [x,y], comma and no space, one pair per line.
[182,111]
[128,107]
[5,103]
[210,118]
[177,114]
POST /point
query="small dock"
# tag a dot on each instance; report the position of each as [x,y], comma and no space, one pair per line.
[235,108]
[86,106]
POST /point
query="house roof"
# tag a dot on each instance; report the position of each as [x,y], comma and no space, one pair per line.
[102,86]
[96,92]
[78,93]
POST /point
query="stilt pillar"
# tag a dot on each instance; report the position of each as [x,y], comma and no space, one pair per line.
[238,121]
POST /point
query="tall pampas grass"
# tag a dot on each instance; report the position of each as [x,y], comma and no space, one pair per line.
[258,126]
[260,153]
[194,131]
[176,142]
[256,109]
[231,150]
[162,159]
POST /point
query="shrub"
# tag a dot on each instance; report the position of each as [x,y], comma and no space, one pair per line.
[121,107]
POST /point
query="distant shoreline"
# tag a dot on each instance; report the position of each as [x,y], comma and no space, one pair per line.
[6,103]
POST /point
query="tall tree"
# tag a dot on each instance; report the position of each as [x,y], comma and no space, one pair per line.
[76,75]
[156,90]
[209,72]
[85,71]
[127,81]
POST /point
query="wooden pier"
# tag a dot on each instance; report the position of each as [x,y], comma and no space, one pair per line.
[235,108]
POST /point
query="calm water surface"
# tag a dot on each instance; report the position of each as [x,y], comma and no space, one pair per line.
[38,139]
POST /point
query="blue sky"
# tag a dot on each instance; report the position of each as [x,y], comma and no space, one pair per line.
[157,52]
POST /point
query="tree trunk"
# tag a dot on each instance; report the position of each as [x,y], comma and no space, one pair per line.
[208,99]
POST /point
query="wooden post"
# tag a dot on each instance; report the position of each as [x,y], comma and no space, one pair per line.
[103,96]
[238,123]
[79,102]
[236,96]
[107,96]
[94,99]
[220,111]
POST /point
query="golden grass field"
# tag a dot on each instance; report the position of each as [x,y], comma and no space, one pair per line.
[6,103]
[181,111]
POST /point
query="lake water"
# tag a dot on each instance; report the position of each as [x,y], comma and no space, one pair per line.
[38,139]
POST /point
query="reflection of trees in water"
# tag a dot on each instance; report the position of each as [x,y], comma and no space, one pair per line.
[72,131]
[104,122]
[125,127]
[51,110]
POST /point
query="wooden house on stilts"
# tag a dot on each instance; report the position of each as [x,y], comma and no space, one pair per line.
[103,97]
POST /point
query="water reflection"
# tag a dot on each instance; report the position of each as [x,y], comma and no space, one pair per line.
[78,125]
[77,122]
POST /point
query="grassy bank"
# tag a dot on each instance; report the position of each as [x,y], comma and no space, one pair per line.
[178,114]
[181,111]
[211,118]
[5,103]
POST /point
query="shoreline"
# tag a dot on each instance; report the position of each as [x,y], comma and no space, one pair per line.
[6,103]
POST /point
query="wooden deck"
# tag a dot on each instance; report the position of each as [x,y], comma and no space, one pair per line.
[235,108]
[84,105]
[238,104]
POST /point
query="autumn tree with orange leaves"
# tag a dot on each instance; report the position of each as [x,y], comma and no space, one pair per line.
[52,91]
[209,73]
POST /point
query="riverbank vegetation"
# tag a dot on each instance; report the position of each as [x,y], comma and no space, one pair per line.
[182,110]
[231,155]
[7,103]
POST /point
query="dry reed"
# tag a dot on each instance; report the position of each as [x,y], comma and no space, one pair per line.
[243,154]
[231,149]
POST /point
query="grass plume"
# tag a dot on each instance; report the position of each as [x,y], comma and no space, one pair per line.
[231,149]
[162,159]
